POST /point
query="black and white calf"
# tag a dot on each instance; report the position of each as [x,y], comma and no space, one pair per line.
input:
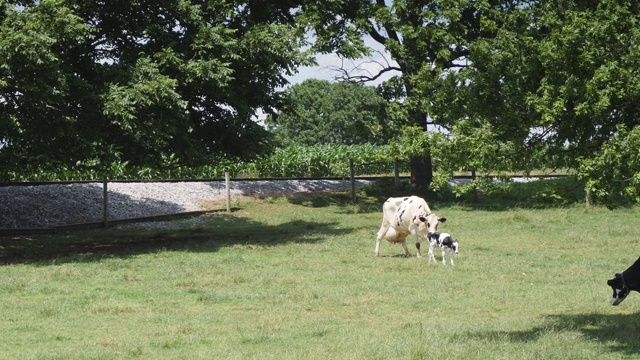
[623,283]
[446,244]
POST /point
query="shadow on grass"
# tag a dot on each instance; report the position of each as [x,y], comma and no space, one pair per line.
[223,230]
[369,199]
[619,332]
[541,194]
[210,235]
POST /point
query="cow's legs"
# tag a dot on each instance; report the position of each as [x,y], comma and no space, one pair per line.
[443,253]
[451,255]
[417,245]
[377,246]
[406,250]
[381,233]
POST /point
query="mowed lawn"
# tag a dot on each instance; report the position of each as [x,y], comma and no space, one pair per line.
[297,279]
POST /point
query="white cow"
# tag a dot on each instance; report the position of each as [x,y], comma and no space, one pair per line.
[402,216]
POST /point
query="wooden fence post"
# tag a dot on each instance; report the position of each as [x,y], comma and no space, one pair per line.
[227,182]
[587,197]
[396,173]
[105,203]
[353,180]
[475,187]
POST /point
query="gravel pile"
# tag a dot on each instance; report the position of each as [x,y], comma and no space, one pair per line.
[44,206]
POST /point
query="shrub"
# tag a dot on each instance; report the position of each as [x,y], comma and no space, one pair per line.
[613,175]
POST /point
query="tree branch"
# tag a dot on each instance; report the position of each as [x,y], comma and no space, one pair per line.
[391,32]
[358,74]
[346,75]
[376,35]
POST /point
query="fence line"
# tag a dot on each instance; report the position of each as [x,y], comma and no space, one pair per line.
[106,204]
[106,222]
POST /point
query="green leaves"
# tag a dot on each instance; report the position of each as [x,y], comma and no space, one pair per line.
[613,175]
[320,112]
[589,57]
[141,81]
[38,93]
[326,161]
[147,110]
[291,161]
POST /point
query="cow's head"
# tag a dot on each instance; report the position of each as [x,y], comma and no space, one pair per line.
[432,220]
[620,289]
[455,246]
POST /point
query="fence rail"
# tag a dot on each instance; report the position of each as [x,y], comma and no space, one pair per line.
[107,221]
[106,194]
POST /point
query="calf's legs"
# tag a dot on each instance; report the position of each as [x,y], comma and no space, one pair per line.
[431,256]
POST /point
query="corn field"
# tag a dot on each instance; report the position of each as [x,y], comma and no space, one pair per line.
[292,161]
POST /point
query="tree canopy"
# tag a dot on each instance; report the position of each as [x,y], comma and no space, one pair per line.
[426,39]
[321,112]
[613,174]
[547,81]
[85,82]
[518,84]
[556,79]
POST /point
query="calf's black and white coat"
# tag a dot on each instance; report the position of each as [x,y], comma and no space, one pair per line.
[622,283]
[445,242]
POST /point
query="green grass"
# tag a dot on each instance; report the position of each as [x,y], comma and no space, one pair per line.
[297,279]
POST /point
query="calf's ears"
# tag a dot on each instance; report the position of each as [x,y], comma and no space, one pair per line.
[442,219]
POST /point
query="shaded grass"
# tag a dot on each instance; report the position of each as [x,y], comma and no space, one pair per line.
[296,278]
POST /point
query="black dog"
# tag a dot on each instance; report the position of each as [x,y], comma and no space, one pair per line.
[623,283]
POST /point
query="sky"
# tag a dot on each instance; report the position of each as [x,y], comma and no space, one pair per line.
[329,63]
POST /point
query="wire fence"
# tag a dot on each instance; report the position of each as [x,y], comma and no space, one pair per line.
[45,207]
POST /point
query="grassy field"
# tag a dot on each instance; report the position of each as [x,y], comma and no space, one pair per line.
[297,279]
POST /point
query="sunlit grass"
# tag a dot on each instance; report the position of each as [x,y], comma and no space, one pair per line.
[297,279]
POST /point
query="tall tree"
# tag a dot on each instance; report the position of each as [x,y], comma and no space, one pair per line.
[426,39]
[556,80]
[321,112]
[590,59]
[141,80]
[485,103]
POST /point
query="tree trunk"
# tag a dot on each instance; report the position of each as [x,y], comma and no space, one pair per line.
[421,166]
[421,171]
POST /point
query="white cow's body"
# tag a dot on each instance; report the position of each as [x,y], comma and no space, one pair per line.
[402,216]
